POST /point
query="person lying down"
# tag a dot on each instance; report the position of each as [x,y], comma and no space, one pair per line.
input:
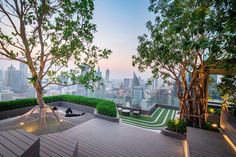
[69,113]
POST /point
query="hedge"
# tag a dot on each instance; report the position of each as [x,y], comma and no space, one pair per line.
[104,107]
[107,108]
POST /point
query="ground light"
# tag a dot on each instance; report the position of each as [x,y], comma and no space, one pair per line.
[214,125]
[230,142]
[22,123]
[185,144]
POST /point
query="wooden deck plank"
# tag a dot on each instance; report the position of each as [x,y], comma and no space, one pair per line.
[118,143]
[31,136]
[11,146]
[21,137]
[203,143]
[57,145]
[48,151]
[105,138]
[43,154]
[13,139]
[72,140]
[56,140]
[53,148]
[4,152]
[59,138]
[118,149]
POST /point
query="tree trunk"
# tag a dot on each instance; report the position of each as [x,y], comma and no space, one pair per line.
[41,103]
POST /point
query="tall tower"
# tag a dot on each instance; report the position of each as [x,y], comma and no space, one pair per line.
[135,80]
[14,79]
[9,76]
[1,75]
[24,69]
[107,75]
[99,73]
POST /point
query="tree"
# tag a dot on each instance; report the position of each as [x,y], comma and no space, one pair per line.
[186,38]
[48,36]
[228,86]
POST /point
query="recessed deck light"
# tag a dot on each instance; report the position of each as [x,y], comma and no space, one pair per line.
[214,125]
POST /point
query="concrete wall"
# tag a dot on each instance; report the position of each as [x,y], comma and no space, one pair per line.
[65,104]
[14,112]
[112,119]
[168,106]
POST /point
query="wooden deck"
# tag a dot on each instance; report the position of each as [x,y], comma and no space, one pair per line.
[15,143]
[56,145]
[100,138]
[203,143]
[95,138]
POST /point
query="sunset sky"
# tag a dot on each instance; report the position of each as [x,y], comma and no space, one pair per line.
[119,23]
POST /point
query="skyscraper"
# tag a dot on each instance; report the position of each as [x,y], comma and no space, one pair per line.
[1,75]
[137,95]
[126,83]
[135,80]
[99,73]
[137,91]
[24,69]
[107,75]
[15,79]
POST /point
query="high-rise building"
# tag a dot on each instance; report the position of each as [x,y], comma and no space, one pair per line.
[24,69]
[126,83]
[135,80]
[137,91]
[6,95]
[99,73]
[107,75]
[154,85]
[14,79]
[1,75]
[137,95]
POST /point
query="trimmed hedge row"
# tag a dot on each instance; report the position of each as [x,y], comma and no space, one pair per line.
[104,107]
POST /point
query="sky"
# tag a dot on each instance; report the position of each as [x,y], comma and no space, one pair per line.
[119,23]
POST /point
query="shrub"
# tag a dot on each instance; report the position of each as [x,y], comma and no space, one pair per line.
[107,108]
[171,125]
[218,112]
[104,107]
[9,105]
[181,126]
[208,126]
[214,111]
[177,125]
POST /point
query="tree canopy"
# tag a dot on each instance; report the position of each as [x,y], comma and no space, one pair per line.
[48,36]
[228,86]
[186,33]
[186,37]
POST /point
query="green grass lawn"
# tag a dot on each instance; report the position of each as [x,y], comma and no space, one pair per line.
[158,119]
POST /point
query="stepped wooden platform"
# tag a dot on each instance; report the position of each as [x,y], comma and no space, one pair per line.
[58,145]
[16,143]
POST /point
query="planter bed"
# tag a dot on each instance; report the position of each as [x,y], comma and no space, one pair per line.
[87,104]
[173,134]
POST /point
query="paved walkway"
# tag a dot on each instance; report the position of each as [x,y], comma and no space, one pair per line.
[100,138]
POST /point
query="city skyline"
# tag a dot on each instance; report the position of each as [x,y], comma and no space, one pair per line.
[119,23]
